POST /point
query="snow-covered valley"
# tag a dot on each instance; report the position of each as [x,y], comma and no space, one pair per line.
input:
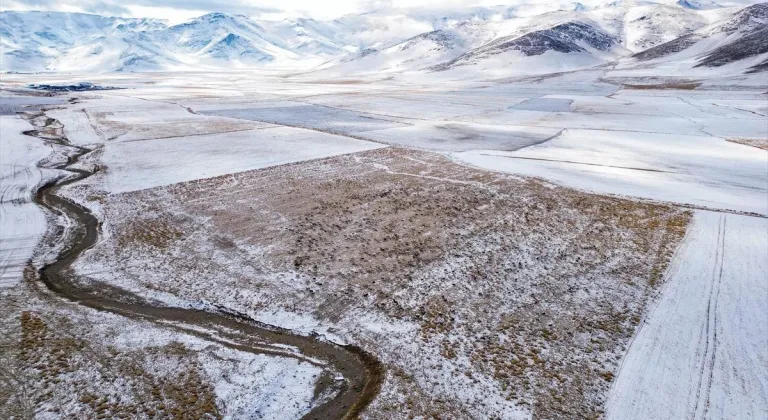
[509,212]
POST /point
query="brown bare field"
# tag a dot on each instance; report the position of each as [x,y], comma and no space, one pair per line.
[480,291]
[759,143]
[663,86]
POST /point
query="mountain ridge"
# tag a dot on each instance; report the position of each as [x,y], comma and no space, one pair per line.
[388,40]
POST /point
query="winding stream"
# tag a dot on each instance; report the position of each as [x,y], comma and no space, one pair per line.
[362,373]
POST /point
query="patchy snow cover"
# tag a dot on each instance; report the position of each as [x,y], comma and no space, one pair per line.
[22,222]
[702,351]
[250,385]
[76,362]
[145,164]
[663,144]
[413,302]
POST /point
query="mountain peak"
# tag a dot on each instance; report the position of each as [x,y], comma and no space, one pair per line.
[214,16]
[698,4]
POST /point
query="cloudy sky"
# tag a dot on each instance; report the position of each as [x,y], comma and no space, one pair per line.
[180,10]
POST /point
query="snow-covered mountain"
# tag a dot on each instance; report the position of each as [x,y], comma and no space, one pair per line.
[742,38]
[33,41]
[560,34]
[564,38]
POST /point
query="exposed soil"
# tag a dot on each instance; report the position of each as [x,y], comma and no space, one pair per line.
[664,86]
[759,143]
[361,371]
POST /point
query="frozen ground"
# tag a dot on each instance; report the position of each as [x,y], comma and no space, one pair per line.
[22,223]
[62,360]
[403,252]
[310,116]
[702,351]
[456,136]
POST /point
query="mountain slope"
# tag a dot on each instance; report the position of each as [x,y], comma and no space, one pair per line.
[227,37]
[569,37]
[506,36]
[743,35]
[32,40]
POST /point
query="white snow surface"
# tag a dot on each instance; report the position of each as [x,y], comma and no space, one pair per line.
[702,351]
[77,126]
[137,165]
[698,170]
[22,222]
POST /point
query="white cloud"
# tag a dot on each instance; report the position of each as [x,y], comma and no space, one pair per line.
[179,10]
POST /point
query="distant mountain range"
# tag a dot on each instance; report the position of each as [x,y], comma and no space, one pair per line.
[564,36]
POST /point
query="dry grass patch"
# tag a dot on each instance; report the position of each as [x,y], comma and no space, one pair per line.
[759,143]
[663,86]
[155,233]
[520,290]
[51,367]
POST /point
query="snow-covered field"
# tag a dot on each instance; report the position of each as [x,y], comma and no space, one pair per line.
[22,222]
[62,360]
[533,210]
[310,116]
[702,351]
[120,367]
[10,105]
[698,170]
[135,165]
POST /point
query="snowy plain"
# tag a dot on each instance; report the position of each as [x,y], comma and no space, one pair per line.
[697,170]
[22,222]
[300,161]
[282,387]
[137,165]
[574,129]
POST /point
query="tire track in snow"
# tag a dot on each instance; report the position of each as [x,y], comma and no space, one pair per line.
[709,334]
[702,351]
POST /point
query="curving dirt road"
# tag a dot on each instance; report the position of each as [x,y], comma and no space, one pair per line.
[362,372]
